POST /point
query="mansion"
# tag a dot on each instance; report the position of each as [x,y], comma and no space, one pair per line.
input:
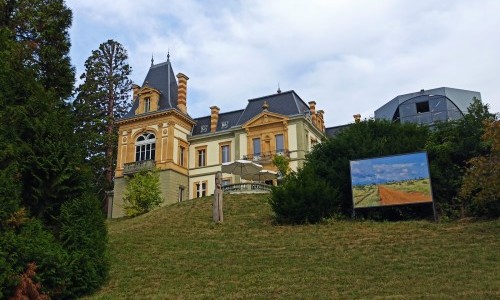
[158,132]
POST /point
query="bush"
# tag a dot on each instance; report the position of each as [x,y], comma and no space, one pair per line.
[367,139]
[142,193]
[303,198]
[84,237]
[31,243]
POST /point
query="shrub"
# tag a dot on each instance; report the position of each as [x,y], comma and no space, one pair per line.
[142,193]
[31,243]
[303,198]
[84,236]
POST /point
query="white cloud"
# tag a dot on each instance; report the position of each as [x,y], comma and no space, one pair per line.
[349,56]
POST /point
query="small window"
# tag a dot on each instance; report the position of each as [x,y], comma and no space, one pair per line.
[202,157]
[181,193]
[204,128]
[422,107]
[182,155]
[225,124]
[256,147]
[225,153]
[147,105]
[201,189]
[280,143]
[226,182]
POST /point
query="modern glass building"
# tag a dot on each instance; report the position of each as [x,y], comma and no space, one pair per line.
[428,106]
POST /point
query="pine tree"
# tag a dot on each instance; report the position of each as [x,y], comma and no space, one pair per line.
[102,98]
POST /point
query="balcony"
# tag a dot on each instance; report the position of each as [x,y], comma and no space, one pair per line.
[246,188]
[134,167]
[266,157]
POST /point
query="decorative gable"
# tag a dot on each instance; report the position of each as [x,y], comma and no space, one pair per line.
[148,98]
[265,119]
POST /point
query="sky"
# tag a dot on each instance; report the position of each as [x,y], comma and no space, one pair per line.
[349,56]
[390,168]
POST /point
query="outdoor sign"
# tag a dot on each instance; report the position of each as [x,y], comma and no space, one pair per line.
[391,180]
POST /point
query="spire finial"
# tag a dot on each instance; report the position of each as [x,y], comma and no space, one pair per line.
[279,90]
[152,59]
[168,54]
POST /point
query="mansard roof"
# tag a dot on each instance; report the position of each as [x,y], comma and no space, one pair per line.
[160,77]
[286,103]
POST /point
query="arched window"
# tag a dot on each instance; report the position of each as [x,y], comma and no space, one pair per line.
[145,147]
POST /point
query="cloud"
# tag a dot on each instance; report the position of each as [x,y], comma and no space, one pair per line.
[349,56]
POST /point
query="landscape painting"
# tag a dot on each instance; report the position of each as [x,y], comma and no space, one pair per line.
[391,180]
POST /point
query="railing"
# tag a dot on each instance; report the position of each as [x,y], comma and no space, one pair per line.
[266,157]
[134,167]
[246,188]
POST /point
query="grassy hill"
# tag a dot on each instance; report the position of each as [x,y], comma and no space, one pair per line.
[177,252]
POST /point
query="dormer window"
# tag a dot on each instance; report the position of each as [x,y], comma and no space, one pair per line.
[225,124]
[147,104]
[204,128]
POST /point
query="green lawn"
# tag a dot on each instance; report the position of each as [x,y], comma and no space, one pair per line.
[177,252]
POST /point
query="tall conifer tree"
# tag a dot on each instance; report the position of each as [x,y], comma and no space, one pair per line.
[102,98]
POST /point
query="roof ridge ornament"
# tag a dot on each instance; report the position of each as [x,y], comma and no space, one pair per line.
[152,59]
[168,54]
[265,106]
[279,90]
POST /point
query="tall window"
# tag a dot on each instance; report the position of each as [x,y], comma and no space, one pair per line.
[280,143]
[225,153]
[202,157]
[256,147]
[147,105]
[145,147]
[182,155]
[201,189]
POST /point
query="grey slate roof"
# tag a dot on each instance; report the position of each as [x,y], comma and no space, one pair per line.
[161,77]
[225,122]
[286,103]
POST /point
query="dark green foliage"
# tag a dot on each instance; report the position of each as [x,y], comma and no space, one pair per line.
[83,234]
[41,162]
[142,193]
[303,198]
[32,243]
[103,97]
[450,146]
[367,139]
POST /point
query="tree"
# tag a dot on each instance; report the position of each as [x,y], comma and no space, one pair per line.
[328,163]
[142,193]
[41,164]
[481,183]
[450,146]
[102,98]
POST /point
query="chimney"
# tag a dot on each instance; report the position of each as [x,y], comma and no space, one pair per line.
[321,120]
[357,118]
[312,108]
[214,118]
[135,91]
[182,92]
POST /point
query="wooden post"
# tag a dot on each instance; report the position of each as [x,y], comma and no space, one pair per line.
[217,213]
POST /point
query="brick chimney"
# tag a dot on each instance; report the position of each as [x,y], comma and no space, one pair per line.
[214,118]
[357,118]
[312,108]
[321,120]
[182,92]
